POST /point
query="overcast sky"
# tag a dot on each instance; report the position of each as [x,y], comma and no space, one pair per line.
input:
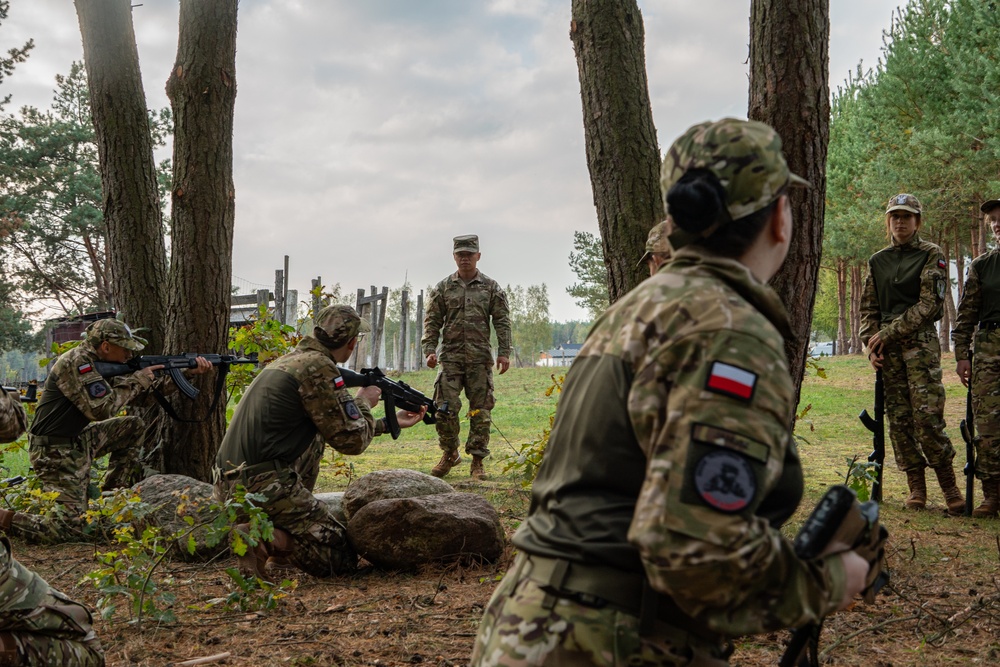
[371,132]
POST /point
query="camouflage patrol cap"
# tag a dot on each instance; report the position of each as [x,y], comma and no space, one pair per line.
[466,243]
[745,155]
[339,324]
[989,205]
[903,202]
[115,332]
[657,241]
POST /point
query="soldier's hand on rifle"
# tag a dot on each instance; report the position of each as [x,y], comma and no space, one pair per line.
[964,370]
[856,568]
[150,371]
[204,366]
[371,393]
[432,360]
[874,346]
[503,363]
[407,419]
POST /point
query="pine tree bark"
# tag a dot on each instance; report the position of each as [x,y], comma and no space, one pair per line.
[857,283]
[622,153]
[842,297]
[789,90]
[202,92]
[138,264]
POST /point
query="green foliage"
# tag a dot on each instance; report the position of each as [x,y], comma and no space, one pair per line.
[861,476]
[251,594]
[524,466]
[587,262]
[529,322]
[264,336]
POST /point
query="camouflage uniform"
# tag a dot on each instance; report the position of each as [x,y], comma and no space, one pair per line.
[657,242]
[39,626]
[275,442]
[75,423]
[902,298]
[459,315]
[13,420]
[653,535]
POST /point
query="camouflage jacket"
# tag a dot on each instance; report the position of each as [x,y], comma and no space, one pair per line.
[288,403]
[459,315]
[980,302]
[671,452]
[75,394]
[904,290]
[13,420]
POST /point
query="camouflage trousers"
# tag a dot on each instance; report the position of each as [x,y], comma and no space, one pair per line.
[986,403]
[518,629]
[47,627]
[63,466]
[319,541]
[477,380]
[914,401]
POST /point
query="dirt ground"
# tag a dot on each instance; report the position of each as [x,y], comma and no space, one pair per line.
[941,608]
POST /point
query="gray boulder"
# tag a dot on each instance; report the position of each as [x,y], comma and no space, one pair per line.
[402,533]
[383,484]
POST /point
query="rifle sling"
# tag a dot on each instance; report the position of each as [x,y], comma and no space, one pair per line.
[220,383]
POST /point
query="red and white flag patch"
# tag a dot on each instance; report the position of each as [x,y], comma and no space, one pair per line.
[941,264]
[338,382]
[731,380]
[86,368]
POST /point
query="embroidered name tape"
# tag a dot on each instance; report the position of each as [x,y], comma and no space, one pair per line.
[731,381]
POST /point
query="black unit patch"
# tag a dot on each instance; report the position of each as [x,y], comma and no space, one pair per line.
[97,389]
[725,481]
[352,410]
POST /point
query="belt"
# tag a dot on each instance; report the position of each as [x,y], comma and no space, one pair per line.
[53,439]
[989,325]
[599,586]
[247,471]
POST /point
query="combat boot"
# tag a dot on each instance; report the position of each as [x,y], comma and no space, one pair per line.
[952,496]
[448,461]
[6,519]
[476,470]
[918,489]
[991,500]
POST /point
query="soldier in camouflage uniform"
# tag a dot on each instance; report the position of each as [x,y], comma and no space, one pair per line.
[13,420]
[657,247]
[459,311]
[276,439]
[75,423]
[654,535]
[979,320]
[902,298]
[39,626]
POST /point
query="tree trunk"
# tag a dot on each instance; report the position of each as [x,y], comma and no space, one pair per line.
[944,326]
[622,154]
[138,262]
[202,92]
[842,297]
[789,90]
[857,284]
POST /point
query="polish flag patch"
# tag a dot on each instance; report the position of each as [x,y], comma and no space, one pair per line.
[86,368]
[338,382]
[731,380]
[941,264]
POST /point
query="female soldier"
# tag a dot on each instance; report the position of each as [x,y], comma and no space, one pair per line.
[653,535]
[980,305]
[902,298]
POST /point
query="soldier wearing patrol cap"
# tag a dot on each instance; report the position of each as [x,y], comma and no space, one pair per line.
[460,309]
[977,326]
[75,422]
[902,298]
[654,531]
[276,440]
[657,247]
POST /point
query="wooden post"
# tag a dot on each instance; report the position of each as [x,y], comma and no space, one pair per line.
[420,331]
[292,307]
[404,325]
[263,298]
[284,294]
[279,296]
[378,323]
[317,287]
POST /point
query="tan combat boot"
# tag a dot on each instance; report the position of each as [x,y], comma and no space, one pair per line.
[448,461]
[918,489]
[6,519]
[476,470]
[991,500]
[254,561]
[952,496]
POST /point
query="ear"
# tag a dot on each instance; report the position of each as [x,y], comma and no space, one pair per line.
[351,344]
[781,220]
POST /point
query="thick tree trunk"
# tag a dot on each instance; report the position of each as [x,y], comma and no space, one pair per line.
[842,297]
[202,91]
[138,262]
[622,153]
[789,90]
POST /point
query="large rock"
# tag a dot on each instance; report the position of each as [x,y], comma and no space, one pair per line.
[383,484]
[402,533]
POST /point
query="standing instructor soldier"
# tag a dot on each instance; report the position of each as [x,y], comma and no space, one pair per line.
[459,312]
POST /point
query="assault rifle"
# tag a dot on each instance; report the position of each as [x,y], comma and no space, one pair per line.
[968,429]
[394,395]
[30,394]
[173,365]
[877,427]
[838,523]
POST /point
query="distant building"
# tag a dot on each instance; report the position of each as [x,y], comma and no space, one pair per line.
[71,328]
[560,356]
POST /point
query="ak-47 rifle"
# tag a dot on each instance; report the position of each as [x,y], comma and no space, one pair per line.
[838,523]
[877,428]
[30,394]
[173,365]
[968,429]
[394,395]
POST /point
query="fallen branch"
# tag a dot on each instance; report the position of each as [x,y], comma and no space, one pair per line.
[208,659]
